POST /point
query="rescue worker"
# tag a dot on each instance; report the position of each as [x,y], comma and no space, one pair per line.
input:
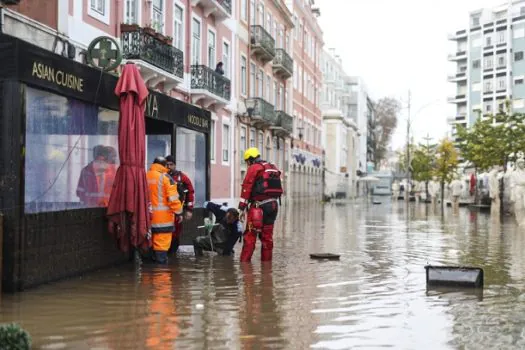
[224,236]
[165,206]
[261,190]
[96,179]
[186,196]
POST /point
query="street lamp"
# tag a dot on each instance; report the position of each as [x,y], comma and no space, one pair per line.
[251,105]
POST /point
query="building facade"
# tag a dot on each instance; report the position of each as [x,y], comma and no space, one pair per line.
[340,132]
[306,153]
[490,64]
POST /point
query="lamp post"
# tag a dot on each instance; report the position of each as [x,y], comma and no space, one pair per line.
[250,104]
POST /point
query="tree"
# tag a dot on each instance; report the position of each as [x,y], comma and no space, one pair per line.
[422,163]
[402,156]
[386,110]
[446,164]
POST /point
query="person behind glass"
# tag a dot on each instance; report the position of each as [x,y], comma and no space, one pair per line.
[186,195]
[261,190]
[224,236]
[166,208]
[96,179]
[219,68]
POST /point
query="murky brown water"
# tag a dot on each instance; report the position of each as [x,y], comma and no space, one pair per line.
[374,297]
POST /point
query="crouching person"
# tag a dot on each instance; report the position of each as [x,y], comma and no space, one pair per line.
[224,235]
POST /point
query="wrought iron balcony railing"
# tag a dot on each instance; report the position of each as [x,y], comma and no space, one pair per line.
[283,63]
[265,111]
[226,4]
[205,78]
[142,45]
[285,121]
[261,39]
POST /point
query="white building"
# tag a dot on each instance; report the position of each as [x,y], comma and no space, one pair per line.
[340,132]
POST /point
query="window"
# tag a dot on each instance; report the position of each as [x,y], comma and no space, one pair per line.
[212,140]
[260,84]
[518,81]
[71,153]
[252,79]
[488,40]
[274,146]
[518,56]
[225,142]
[252,11]
[476,64]
[501,83]
[501,37]
[131,12]
[191,159]
[252,137]
[178,28]
[98,6]
[488,62]
[260,18]
[226,59]
[99,9]
[243,75]
[268,152]
[268,85]
[269,22]
[475,21]
[158,15]
[211,49]
[501,61]
[488,86]
[196,41]
[242,142]
[260,142]
[281,97]
[276,94]
[522,10]
[244,12]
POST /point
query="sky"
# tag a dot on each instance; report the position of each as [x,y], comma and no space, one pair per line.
[401,45]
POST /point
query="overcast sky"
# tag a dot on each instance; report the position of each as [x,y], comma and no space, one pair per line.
[397,45]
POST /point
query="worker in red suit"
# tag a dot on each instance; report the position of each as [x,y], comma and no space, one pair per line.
[186,196]
[261,191]
[96,179]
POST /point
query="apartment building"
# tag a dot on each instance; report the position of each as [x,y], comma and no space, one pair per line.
[306,158]
[490,63]
[340,132]
[264,68]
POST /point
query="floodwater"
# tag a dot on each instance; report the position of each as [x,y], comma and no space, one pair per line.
[373,298]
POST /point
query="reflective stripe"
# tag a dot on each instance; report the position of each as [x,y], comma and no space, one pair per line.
[173,198]
[266,201]
[274,170]
[160,206]
[163,229]
[244,200]
[189,203]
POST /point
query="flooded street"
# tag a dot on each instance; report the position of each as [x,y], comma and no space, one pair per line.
[374,297]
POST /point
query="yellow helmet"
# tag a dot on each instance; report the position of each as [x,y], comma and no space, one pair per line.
[252,152]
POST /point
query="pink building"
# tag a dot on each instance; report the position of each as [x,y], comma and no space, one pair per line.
[265,68]
[177,45]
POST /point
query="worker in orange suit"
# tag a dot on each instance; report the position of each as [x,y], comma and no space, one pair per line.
[165,207]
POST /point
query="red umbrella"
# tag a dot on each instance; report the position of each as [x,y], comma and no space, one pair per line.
[128,213]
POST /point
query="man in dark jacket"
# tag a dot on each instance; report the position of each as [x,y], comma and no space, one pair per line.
[224,235]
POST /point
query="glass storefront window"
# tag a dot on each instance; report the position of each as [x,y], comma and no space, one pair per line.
[157,146]
[191,159]
[71,153]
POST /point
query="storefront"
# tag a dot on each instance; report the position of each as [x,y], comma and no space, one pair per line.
[56,116]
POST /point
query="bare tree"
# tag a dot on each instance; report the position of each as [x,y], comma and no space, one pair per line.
[385,122]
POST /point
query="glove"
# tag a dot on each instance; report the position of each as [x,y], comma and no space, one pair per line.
[206,204]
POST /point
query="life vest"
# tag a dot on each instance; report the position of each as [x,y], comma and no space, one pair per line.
[268,182]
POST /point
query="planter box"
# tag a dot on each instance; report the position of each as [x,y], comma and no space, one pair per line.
[126,28]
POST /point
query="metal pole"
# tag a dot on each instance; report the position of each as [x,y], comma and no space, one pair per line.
[407,191]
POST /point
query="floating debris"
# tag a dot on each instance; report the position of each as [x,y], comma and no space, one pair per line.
[454,276]
[325,256]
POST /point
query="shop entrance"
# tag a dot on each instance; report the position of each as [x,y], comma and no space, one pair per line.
[159,139]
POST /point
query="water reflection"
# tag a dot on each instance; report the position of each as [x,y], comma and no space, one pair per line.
[375,296]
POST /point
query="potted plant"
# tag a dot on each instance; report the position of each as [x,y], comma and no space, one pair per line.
[169,40]
[160,36]
[126,27]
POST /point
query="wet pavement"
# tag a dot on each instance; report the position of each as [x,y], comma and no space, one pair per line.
[373,297]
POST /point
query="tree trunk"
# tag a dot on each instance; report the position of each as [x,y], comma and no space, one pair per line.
[442,194]
[501,205]
[426,191]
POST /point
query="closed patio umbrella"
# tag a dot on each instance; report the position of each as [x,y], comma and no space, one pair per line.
[128,209]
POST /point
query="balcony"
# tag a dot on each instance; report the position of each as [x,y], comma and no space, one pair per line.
[157,60]
[460,34]
[284,124]
[282,64]
[220,9]
[457,99]
[460,55]
[459,76]
[208,87]
[262,44]
[264,114]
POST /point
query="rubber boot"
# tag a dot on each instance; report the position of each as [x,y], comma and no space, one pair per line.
[267,243]
[248,247]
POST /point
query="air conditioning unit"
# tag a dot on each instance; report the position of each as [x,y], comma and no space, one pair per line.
[9,2]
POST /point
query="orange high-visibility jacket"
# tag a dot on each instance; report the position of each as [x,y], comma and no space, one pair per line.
[164,199]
